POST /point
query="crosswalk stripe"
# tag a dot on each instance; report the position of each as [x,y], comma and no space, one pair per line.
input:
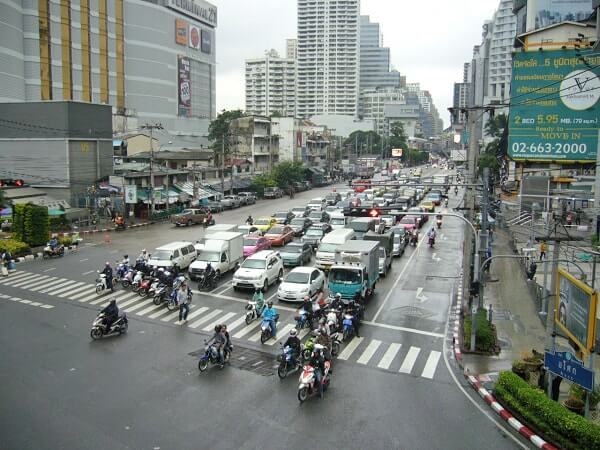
[170,316]
[95,298]
[84,293]
[303,333]
[206,318]
[409,360]
[35,304]
[31,282]
[256,336]
[71,293]
[197,312]
[236,323]
[145,311]
[128,302]
[55,285]
[281,334]
[369,352]
[247,329]
[138,306]
[349,349]
[29,277]
[14,277]
[222,319]
[389,356]
[42,284]
[431,364]
[25,301]
[160,313]
[47,306]
[70,284]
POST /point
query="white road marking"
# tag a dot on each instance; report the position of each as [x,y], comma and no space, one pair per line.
[170,316]
[410,359]
[57,285]
[50,269]
[256,336]
[30,276]
[431,364]
[138,306]
[247,329]
[206,318]
[31,282]
[128,302]
[35,304]
[47,306]
[222,319]
[282,333]
[88,272]
[25,301]
[233,325]
[84,259]
[95,298]
[388,357]
[79,285]
[369,352]
[81,294]
[397,328]
[151,308]
[420,295]
[196,313]
[349,349]
[46,284]
[14,277]
[271,297]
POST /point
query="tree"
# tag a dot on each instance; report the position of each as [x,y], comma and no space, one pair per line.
[496,127]
[368,140]
[288,172]
[219,129]
[398,138]
[276,114]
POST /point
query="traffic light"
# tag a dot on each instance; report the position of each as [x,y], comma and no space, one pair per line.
[374,212]
[11,183]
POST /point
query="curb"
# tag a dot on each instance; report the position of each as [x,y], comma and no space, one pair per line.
[508,417]
[37,255]
[457,313]
[106,230]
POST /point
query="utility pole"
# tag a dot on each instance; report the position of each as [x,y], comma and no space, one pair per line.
[223,163]
[151,127]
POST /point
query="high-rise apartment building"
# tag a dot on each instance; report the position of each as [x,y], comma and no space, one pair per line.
[291,48]
[373,105]
[328,57]
[270,85]
[504,28]
[375,59]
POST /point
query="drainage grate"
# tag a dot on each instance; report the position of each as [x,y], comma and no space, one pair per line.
[255,361]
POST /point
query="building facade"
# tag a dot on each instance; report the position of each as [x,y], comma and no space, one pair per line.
[375,59]
[291,48]
[328,57]
[256,142]
[373,102]
[152,61]
[270,85]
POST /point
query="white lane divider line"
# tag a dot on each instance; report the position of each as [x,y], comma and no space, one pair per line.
[222,319]
[88,272]
[349,349]
[84,260]
[410,359]
[281,334]
[389,356]
[233,325]
[431,364]
[369,352]
[206,318]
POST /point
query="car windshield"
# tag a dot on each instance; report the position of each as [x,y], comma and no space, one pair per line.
[262,221]
[249,242]
[314,232]
[280,215]
[315,215]
[297,221]
[297,277]
[209,256]
[276,230]
[338,221]
[254,264]
[186,212]
[345,276]
[327,248]
[292,249]
[161,255]
[298,210]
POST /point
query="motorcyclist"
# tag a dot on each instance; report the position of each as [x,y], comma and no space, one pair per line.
[143,256]
[431,234]
[119,221]
[323,327]
[307,306]
[228,345]
[125,261]
[353,309]
[438,220]
[317,361]
[209,272]
[446,202]
[324,340]
[53,244]
[293,342]
[220,340]
[250,220]
[111,313]
[270,315]
[336,303]
[259,298]
[108,272]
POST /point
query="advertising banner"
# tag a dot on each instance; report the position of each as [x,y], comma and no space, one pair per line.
[194,37]
[206,44]
[554,113]
[549,12]
[181,32]
[397,153]
[130,193]
[185,88]
[575,311]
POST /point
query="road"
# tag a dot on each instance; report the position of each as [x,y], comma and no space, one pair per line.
[395,387]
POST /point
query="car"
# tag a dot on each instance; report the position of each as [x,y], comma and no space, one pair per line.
[264,223]
[428,205]
[333,209]
[317,203]
[248,198]
[388,220]
[422,217]
[300,282]
[280,235]
[299,187]
[315,233]
[273,192]
[409,223]
[319,216]
[436,199]
[296,254]
[214,206]
[332,198]
[192,216]
[300,225]
[258,271]
[380,201]
[300,211]
[231,201]
[283,217]
[400,240]
[254,244]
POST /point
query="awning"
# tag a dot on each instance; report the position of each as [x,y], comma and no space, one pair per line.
[56,212]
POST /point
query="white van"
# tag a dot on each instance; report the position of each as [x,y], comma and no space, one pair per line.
[177,255]
[337,220]
[325,255]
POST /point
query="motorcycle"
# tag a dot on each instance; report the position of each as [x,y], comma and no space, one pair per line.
[303,320]
[137,280]
[439,223]
[332,320]
[266,332]
[102,284]
[431,241]
[145,285]
[348,330]
[56,253]
[308,348]
[208,283]
[127,279]
[99,328]
[336,343]
[161,293]
[287,362]
[153,287]
[307,387]
[414,240]
[211,356]
[120,272]
[251,312]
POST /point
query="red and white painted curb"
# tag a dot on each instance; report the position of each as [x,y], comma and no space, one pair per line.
[106,230]
[507,416]
[457,312]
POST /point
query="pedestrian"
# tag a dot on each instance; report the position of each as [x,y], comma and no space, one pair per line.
[182,301]
[5,262]
[491,233]
[578,217]
[543,250]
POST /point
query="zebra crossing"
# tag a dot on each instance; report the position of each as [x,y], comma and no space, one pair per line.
[374,353]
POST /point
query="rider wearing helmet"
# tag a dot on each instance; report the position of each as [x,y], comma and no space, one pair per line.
[220,341]
[324,340]
[270,315]
[336,303]
[125,261]
[111,313]
[259,298]
[294,343]
[108,272]
[228,345]
[317,361]
[353,309]
[143,256]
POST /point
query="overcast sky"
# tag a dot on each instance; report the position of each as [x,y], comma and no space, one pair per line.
[429,40]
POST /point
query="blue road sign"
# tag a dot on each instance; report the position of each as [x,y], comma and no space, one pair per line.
[565,365]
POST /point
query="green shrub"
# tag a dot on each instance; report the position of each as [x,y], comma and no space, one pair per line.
[15,247]
[485,335]
[66,240]
[553,420]
[30,223]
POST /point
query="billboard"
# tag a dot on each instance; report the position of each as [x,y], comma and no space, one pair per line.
[185,87]
[397,153]
[575,310]
[181,32]
[549,12]
[194,37]
[554,108]
[130,193]
[206,44]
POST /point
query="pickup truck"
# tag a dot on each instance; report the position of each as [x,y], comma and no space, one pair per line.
[273,192]
[192,216]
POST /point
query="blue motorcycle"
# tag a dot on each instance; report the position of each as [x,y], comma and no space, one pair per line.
[266,331]
[348,330]
[303,320]
[288,363]
[211,356]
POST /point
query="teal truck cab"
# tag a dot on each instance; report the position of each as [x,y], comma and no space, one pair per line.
[356,269]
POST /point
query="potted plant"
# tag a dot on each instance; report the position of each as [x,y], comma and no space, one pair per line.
[574,404]
[533,361]
[520,368]
[595,398]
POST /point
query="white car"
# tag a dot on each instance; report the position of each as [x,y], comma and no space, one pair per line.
[259,271]
[300,282]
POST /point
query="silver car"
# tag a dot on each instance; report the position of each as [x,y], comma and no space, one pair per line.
[231,201]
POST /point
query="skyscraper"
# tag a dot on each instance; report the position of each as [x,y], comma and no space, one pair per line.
[328,57]
[375,59]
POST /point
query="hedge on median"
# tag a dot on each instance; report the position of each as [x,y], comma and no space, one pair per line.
[15,247]
[552,419]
